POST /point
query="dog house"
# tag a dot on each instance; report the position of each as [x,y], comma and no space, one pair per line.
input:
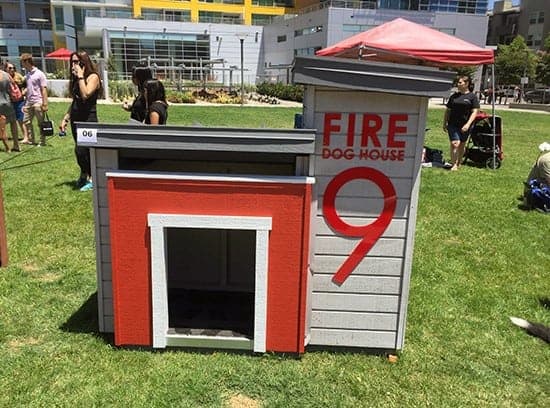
[263,239]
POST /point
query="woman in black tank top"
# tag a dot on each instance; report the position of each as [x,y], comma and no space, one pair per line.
[85,87]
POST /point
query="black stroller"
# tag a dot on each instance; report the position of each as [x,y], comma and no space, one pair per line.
[481,147]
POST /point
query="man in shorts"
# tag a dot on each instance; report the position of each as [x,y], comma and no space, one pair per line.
[37,97]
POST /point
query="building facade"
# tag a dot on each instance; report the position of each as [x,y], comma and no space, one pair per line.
[22,23]
[530,19]
[202,39]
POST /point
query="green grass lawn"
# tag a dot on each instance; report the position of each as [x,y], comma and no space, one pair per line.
[478,259]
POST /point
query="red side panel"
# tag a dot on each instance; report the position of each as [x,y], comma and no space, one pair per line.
[130,200]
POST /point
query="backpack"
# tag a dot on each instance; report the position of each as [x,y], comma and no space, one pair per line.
[433,155]
[15,92]
[538,195]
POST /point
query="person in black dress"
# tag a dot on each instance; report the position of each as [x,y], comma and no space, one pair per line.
[84,87]
[155,98]
[138,109]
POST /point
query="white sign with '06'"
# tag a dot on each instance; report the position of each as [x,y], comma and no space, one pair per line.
[86,135]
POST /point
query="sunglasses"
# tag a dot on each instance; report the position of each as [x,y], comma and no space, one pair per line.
[75,61]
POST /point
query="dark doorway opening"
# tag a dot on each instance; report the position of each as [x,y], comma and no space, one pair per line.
[211,280]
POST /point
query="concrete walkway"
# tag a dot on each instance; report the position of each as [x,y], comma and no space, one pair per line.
[434,103]
[517,107]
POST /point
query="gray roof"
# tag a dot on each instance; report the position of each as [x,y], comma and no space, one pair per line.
[372,76]
[136,136]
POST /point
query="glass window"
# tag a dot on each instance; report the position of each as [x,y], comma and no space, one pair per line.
[304,52]
[308,30]
[262,19]
[223,1]
[450,31]
[59,20]
[79,15]
[219,17]
[271,3]
[281,38]
[351,28]
[163,49]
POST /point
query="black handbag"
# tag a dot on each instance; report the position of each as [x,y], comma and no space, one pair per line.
[46,127]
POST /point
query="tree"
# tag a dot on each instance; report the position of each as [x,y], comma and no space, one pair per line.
[514,61]
[466,71]
[543,66]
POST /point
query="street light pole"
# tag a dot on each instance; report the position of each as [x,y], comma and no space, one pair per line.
[242,70]
[124,45]
[40,22]
[241,37]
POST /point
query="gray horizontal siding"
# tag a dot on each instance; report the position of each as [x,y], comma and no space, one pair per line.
[321,319]
[365,188]
[355,302]
[333,99]
[396,229]
[388,167]
[365,207]
[370,265]
[355,338]
[382,285]
[333,245]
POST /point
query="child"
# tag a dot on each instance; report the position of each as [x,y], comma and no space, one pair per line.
[3,133]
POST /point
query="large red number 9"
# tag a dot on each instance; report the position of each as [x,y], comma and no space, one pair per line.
[371,232]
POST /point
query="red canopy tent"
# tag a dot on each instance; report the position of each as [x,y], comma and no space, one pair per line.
[60,54]
[405,42]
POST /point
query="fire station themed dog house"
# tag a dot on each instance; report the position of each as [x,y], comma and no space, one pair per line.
[262,239]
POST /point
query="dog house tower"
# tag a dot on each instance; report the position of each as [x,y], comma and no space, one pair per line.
[370,120]
[264,239]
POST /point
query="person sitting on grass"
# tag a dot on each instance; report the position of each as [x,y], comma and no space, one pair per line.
[536,194]
[541,168]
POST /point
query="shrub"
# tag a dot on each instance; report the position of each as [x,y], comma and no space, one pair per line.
[179,97]
[218,96]
[121,90]
[282,91]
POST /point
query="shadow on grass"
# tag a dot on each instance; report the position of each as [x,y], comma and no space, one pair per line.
[84,320]
[544,302]
[71,184]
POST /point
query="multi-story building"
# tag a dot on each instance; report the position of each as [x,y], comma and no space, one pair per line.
[198,38]
[530,19]
[22,25]
[503,23]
